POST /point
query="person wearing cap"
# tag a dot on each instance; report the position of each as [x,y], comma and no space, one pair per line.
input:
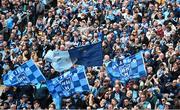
[102,90]
[10,99]
[23,102]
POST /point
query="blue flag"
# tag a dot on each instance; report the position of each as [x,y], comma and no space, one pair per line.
[129,68]
[27,73]
[90,55]
[72,81]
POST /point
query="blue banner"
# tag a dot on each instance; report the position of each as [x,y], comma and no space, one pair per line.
[89,55]
[129,68]
[27,73]
[72,81]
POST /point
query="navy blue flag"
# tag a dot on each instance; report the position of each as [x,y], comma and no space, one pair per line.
[72,81]
[89,55]
[129,68]
[27,73]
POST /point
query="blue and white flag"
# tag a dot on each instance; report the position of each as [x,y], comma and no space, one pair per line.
[89,55]
[60,60]
[27,73]
[129,68]
[72,81]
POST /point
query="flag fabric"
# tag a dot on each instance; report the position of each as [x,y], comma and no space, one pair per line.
[89,55]
[57,101]
[60,60]
[72,81]
[128,68]
[27,73]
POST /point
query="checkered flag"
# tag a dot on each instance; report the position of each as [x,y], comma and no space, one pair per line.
[72,81]
[27,73]
[127,68]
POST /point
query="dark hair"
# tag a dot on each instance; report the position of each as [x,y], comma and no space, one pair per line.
[36,101]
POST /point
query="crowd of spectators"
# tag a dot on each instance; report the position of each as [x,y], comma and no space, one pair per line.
[125,27]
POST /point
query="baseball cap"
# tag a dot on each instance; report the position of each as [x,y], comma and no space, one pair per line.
[10,95]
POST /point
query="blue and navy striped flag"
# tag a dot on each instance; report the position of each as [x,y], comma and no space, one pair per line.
[72,81]
[129,68]
[27,73]
[89,55]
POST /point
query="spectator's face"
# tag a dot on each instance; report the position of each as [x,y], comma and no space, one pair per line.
[13,107]
[36,105]
[113,102]
[126,102]
[117,88]
[36,1]
[49,30]
[12,36]
[4,43]
[174,83]
[3,3]
[25,98]
[105,83]
[5,106]
[29,106]
[110,107]
[10,98]
[117,82]
[149,70]
[106,58]
[50,14]
[135,86]
[143,98]
[128,94]
[102,102]
[161,56]
[89,76]
[110,90]
[51,107]
[106,96]
[3,17]
[30,24]
[1,37]
[175,66]
[117,40]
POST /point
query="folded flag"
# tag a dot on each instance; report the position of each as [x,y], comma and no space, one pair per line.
[90,55]
[129,68]
[27,73]
[72,81]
